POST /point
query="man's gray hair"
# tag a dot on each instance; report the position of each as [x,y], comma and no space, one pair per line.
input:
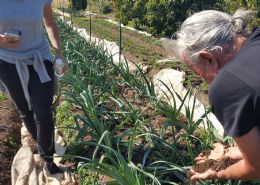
[210,30]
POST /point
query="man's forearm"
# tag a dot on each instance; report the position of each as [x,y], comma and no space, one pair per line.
[240,171]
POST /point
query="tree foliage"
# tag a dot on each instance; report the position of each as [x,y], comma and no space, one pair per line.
[163,17]
[104,6]
[233,5]
[78,4]
[160,17]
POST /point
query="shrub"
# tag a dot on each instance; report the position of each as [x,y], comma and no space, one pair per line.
[233,5]
[105,7]
[78,4]
[161,17]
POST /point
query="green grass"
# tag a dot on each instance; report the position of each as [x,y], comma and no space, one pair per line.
[11,143]
[142,48]
[64,119]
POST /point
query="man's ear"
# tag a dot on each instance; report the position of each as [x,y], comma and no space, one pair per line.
[208,60]
[206,66]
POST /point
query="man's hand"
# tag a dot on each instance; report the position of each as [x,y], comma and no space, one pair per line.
[220,152]
[245,167]
[9,42]
[217,153]
[207,175]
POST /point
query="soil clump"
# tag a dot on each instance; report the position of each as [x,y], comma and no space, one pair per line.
[215,165]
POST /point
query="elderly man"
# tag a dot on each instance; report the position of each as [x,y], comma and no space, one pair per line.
[218,47]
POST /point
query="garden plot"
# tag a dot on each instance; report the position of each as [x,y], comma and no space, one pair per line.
[161,79]
[117,127]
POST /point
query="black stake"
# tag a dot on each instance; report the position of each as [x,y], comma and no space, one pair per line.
[120,40]
[90,25]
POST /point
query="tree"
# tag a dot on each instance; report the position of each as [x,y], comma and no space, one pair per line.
[161,17]
[164,16]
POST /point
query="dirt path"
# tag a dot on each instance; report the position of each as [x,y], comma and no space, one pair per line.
[10,125]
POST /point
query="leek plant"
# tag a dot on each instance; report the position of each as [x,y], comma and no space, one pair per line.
[120,171]
[113,164]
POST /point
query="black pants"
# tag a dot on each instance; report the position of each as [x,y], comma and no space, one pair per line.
[39,120]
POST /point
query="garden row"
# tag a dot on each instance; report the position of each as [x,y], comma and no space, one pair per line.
[136,47]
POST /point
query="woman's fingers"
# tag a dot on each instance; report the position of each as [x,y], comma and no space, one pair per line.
[65,66]
[8,42]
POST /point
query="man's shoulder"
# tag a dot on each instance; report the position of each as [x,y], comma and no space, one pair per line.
[234,102]
[243,69]
[228,87]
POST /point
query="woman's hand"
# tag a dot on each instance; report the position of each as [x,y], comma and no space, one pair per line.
[60,56]
[9,42]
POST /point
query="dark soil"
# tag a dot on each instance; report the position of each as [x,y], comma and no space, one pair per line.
[10,125]
[215,165]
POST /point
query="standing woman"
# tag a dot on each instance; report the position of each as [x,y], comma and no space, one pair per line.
[26,67]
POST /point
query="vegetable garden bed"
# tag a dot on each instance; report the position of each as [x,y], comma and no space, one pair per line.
[116,127]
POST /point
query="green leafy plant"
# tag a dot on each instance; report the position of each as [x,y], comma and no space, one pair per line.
[78,4]
[161,17]
[233,5]
[2,96]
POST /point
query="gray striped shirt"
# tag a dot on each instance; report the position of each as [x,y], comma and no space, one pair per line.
[26,17]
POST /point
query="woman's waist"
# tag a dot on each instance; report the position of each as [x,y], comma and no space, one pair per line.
[28,45]
[26,52]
